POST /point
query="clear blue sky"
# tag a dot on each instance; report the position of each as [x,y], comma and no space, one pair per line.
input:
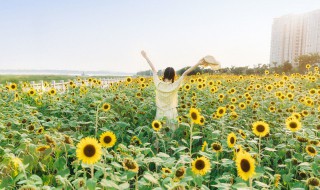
[108,35]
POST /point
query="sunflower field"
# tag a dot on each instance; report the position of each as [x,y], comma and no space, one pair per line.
[233,132]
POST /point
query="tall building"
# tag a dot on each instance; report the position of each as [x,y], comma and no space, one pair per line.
[294,35]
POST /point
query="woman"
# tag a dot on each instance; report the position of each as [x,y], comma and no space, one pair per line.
[167,90]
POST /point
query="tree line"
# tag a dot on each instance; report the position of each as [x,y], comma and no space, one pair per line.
[312,59]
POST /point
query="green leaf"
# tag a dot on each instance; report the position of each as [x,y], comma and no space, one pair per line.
[150,178]
[115,164]
[109,183]
[239,185]
[198,180]
[60,163]
[125,185]
[161,154]
[270,149]
[91,184]
[262,184]
[196,137]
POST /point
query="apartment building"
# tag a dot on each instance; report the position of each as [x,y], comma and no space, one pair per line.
[294,35]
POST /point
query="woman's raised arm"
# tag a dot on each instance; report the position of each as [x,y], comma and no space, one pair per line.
[192,68]
[143,53]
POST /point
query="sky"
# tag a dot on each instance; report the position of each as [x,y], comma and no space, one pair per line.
[105,35]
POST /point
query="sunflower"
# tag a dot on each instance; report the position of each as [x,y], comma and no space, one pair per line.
[130,164]
[232,107]
[277,178]
[194,115]
[68,140]
[296,115]
[52,92]
[135,141]
[234,115]
[245,165]
[313,182]
[187,87]
[32,92]
[221,111]
[89,150]
[242,105]
[293,124]
[128,80]
[311,150]
[238,149]
[180,173]
[260,128]
[269,87]
[204,146]
[108,139]
[42,148]
[40,130]
[243,135]
[308,66]
[156,125]
[216,147]
[166,171]
[200,165]
[106,107]
[202,120]
[13,86]
[231,140]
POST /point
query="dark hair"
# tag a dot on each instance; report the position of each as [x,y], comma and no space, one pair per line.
[169,74]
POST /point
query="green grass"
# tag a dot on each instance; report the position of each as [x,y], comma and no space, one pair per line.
[37,78]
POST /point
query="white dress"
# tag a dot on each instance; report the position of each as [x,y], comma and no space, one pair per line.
[166,98]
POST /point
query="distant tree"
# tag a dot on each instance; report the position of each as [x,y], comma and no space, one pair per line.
[287,67]
[239,70]
[144,73]
[303,60]
[181,71]
[250,71]
[274,63]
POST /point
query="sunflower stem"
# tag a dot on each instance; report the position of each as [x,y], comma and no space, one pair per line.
[92,171]
[96,125]
[250,181]
[190,149]
[259,150]
[136,186]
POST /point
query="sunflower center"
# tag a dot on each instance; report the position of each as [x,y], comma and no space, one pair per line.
[89,150]
[293,125]
[221,111]
[130,165]
[232,140]
[200,164]
[106,106]
[107,139]
[245,165]
[216,147]
[311,150]
[313,182]
[156,125]
[260,128]
[179,172]
[194,116]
